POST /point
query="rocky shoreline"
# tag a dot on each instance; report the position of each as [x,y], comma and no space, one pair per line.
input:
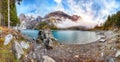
[47,49]
[99,51]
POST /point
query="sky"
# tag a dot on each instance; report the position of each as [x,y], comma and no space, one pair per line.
[89,10]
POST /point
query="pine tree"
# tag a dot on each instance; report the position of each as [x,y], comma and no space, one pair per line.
[4,12]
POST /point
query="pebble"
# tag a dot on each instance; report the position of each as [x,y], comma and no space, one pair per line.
[76,56]
[102,40]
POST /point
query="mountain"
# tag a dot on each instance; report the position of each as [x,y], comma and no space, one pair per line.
[29,21]
[60,14]
[61,20]
[56,20]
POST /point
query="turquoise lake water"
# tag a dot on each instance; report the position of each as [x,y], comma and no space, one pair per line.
[32,33]
[68,36]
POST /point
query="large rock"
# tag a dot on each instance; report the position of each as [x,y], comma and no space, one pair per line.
[17,49]
[48,43]
[110,59]
[8,38]
[24,44]
[46,37]
[48,59]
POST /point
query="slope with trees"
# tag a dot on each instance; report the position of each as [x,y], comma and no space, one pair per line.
[112,21]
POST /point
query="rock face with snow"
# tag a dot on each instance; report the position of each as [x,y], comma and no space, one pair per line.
[29,21]
[57,19]
[61,14]
[63,20]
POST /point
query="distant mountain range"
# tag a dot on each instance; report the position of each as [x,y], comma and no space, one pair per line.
[28,21]
[57,19]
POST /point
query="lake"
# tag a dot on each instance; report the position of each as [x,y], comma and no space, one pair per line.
[68,36]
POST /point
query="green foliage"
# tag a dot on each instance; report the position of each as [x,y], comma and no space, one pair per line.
[118,19]
[44,24]
[4,11]
[113,21]
[13,15]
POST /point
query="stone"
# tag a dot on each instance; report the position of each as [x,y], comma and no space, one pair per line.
[110,59]
[27,38]
[102,54]
[18,50]
[48,59]
[48,43]
[102,37]
[117,53]
[8,38]
[24,45]
[76,56]
[107,33]
[112,40]
[18,56]
[102,40]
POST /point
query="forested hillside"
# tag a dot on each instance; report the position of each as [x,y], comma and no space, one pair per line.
[113,21]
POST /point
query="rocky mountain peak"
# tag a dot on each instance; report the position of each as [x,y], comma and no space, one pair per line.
[61,14]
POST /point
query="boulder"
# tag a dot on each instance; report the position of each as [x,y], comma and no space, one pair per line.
[48,43]
[46,37]
[48,59]
[17,50]
[110,59]
[8,38]
[24,45]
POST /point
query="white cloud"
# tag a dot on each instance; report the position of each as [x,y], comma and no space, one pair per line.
[58,1]
[87,13]
[83,8]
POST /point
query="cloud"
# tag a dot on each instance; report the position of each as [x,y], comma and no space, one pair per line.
[92,11]
[58,1]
